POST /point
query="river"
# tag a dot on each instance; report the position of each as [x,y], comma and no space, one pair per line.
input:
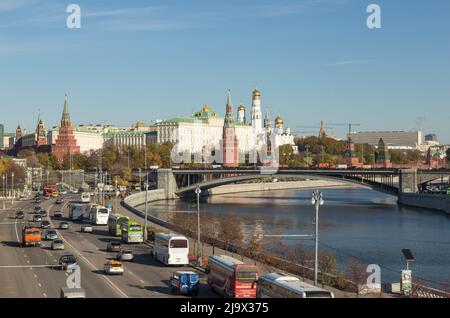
[353,222]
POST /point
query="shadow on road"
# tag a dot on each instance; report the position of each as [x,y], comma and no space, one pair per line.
[11,243]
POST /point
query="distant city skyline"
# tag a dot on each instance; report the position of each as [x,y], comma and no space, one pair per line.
[312,60]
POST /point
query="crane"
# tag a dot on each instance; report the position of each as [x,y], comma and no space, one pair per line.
[345,124]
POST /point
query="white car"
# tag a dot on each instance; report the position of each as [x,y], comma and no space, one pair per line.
[74,191]
[113,268]
[87,228]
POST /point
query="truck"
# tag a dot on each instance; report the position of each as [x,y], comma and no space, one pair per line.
[78,211]
[31,236]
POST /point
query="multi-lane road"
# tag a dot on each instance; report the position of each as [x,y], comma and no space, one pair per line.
[27,272]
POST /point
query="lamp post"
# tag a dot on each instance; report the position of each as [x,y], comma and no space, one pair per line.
[146,209]
[197,192]
[12,188]
[3,177]
[117,195]
[316,200]
[140,180]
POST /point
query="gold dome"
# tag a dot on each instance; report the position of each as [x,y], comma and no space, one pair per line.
[206,108]
[241,107]
[278,120]
[256,92]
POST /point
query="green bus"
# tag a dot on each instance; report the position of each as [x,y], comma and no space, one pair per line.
[115,222]
[132,232]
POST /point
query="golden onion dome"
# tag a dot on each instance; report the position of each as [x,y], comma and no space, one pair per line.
[256,92]
[241,107]
[206,109]
[278,120]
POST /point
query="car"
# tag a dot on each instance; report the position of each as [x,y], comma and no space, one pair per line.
[59,201]
[37,200]
[113,268]
[45,224]
[72,292]
[74,191]
[51,235]
[113,246]
[20,215]
[125,255]
[57,214]
[37,218]
[67,260]
[62,191]
[64,225]
[37,209]
[58,244]
[87,228]
[43,213]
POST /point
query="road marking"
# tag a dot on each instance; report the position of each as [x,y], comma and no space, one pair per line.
[28,262]
[142,282]
[39,284]
[45,295]
[25,255]
[114,286]
[35,276]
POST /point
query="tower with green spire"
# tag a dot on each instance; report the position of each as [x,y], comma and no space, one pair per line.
[65,143]
[229,139]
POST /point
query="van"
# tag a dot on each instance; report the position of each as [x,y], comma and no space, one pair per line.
[184,282]
[67,292]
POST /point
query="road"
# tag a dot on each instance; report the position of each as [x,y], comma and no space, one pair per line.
[21,277]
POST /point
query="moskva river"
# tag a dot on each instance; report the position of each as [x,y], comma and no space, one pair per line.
[353,222]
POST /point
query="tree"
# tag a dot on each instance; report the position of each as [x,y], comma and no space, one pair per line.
[301,256]
[356,272]
[230,231]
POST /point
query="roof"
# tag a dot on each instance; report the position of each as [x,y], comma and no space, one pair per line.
[225,260]
[290,282]
[170,236]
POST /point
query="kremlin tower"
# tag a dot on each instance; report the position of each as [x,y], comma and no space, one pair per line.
[65,142]
[41,135]
[229,140]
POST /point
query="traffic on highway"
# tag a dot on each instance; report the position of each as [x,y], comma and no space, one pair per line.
[64,246]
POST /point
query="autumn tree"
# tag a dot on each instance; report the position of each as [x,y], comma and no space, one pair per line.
[230,231]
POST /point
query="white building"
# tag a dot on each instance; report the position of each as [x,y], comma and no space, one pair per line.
[204,130]
[86,140]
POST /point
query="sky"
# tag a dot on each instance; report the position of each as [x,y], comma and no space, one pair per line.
[312,60]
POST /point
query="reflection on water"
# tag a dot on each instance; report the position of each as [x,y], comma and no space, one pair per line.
[354,222]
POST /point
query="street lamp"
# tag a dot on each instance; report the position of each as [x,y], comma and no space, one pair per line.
[146,209]
[3,177]
[316,200]
[197,192]
[12,187]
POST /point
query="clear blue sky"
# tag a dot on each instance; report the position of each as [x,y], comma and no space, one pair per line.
[143,60]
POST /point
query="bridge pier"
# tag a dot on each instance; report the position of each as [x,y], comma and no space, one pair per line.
[166,181]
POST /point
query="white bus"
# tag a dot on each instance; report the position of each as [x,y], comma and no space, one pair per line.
[99,215]
[85,197]
[171,249]
[280,285]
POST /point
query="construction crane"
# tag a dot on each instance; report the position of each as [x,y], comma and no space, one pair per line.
[345,124]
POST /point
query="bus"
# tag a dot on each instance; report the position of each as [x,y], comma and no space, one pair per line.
[280,285]
[132,232]
[99,215]
[115,222]
[171,249]
[231,277]
[86,197]
[50,191]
